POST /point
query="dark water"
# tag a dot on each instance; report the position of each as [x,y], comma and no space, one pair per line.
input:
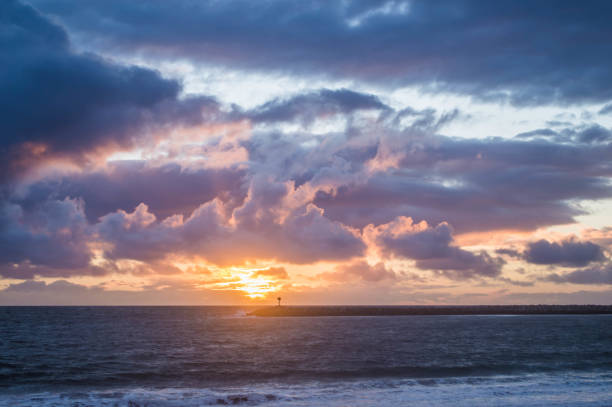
[200,355]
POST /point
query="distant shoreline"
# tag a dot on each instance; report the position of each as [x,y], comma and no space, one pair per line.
[329,311]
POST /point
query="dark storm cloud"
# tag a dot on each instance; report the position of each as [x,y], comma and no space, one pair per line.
[344,154]
[509,252]
[45,230]
[601,275]
[526,52]
[51,240]
[475,184]
[383,198]
[54,235]
[433,248]
[166,190]
[607,109]
[55,101]
[569,253]
[593,133]
[307,107]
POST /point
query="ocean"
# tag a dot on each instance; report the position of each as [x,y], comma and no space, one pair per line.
[200,356]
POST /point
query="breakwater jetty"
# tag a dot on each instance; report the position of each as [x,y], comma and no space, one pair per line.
[332,311]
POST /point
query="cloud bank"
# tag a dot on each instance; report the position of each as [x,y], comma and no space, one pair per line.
[503,51]
[113,170]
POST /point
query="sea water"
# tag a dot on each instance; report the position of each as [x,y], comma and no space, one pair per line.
[198,356]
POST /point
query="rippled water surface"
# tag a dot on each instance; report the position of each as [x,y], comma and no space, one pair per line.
[190,356]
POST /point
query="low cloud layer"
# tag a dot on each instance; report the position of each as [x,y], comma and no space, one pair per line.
[600,275]
[359,271]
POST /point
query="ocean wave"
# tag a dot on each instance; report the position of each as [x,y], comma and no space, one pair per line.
[193,376]
[138,398]
[519,390]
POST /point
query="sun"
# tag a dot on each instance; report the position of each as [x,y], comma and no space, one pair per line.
[255,286]
[247,280]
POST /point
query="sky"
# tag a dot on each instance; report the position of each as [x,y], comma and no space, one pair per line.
[328,152]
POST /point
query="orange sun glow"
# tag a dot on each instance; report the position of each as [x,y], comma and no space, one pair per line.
[245,280]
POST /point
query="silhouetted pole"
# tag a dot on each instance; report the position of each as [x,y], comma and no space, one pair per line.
[279,298]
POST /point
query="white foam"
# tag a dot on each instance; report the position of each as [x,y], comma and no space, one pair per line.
[574,389]
[137,398]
